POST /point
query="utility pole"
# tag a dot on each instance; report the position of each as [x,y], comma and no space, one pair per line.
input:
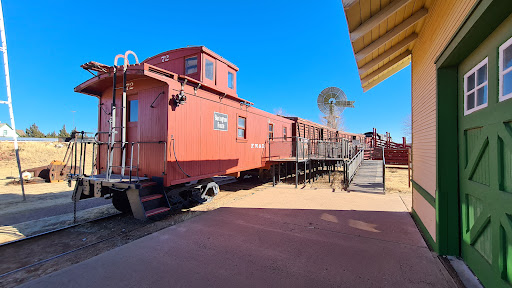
[9,99]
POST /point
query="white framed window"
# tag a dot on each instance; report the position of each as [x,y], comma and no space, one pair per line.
[208,69]
[241,127]
[230,80]
[475,88]
[133,110]
[505,66]
[191,65]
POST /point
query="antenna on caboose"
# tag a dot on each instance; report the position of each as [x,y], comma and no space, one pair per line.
[9,98]
[332,101]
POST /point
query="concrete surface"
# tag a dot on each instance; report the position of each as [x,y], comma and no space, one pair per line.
[278,237]
[368,178]
[50,211]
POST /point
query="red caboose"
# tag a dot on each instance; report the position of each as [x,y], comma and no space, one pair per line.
[176,119]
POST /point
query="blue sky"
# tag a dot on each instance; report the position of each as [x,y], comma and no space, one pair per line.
[287,52]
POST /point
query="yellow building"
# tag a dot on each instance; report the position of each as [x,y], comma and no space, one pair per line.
[461,57]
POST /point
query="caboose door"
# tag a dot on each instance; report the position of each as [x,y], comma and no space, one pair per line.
[132,132]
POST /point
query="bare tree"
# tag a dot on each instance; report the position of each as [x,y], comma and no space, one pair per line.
[407,127]
[280,111]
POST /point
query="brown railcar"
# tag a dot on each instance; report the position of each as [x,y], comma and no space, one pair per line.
[182,121]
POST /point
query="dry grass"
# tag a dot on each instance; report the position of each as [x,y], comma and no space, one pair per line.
[396,180]
[322,181]
[32,154]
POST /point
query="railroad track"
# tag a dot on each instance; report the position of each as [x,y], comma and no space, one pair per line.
[59,229]
[137,230]
[51,232]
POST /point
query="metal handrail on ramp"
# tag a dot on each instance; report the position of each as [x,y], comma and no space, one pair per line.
[351,167]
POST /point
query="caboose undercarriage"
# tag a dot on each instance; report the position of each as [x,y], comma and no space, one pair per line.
[144,197]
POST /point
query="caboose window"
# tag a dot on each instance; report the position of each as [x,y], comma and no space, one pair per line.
[285,134]
[133,110]
[241,127]
[230,80]
[208,69]
[191,65]
[270,131]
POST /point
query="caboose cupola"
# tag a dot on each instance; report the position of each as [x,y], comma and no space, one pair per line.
[201,64]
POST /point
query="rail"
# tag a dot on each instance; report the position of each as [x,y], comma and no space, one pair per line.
[292,147]
[300,149]
[383,169]
[351,167]
[133,158]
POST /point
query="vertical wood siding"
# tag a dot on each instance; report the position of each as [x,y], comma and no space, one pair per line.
[444,17]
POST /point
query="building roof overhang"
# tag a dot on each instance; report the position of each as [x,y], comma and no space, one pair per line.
[383,33]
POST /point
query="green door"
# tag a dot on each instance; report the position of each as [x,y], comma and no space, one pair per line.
[485,159]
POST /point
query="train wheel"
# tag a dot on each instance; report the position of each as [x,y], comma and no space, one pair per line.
[121,202]
[209,191]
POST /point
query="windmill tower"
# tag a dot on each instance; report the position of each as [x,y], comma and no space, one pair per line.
[332,101]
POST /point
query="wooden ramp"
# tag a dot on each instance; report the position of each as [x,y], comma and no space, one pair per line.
[368,178]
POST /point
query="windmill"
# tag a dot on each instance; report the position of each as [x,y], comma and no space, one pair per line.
[332,101]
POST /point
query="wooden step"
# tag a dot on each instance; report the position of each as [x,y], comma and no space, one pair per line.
[150,197]
[156,211]
[147,184]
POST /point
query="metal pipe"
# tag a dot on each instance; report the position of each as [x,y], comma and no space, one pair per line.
[305,172]
[123,122]
[138,162]
[123,103]
[131,164]
[76,153]
[383,170]
[93,161]
[81,152]
[85,153]
[112,134]
[279,173]
[296,174]
[9,97]
[165,157]
[273,175]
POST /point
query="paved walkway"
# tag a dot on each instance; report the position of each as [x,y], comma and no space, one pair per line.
[278,237]
[368,178]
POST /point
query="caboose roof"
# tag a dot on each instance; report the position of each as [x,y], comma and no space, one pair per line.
[97,84]
[195,49]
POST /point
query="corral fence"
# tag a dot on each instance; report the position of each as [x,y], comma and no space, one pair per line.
[398,156]
[351,167]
